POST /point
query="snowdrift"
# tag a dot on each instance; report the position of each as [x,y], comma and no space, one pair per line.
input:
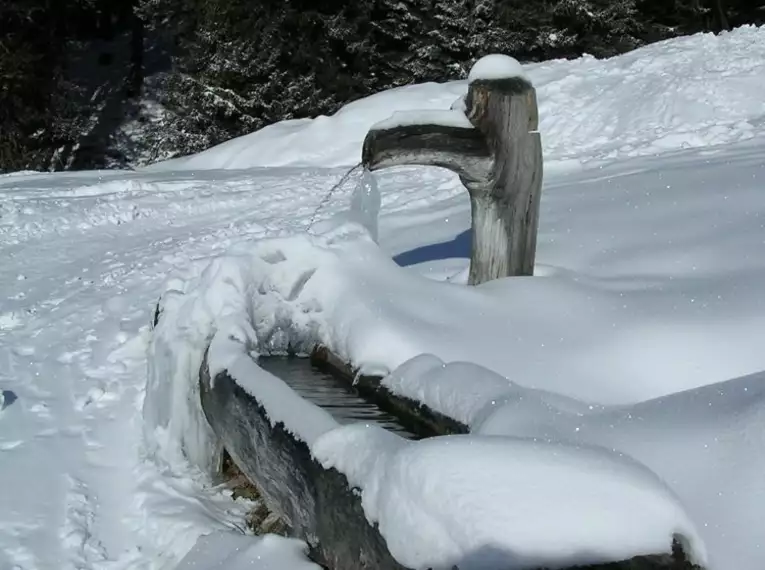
[502,513]
[341,291]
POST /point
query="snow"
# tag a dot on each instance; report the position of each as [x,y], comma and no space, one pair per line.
[239,552]
[468,392]
[704,442]
[448,118]
[645,308]
[691,92]
[304,420]
[437,508]
[608,291]
[393,481]
[496,66]
[323,141]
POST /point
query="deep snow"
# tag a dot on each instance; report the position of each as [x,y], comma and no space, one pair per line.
[500,502]
[649,264]
[704,442]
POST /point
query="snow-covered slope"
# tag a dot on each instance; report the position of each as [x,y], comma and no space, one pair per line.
[660,256]
[683,93]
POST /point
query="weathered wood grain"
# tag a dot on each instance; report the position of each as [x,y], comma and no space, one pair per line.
[499,162]
[505,212]
[318,505]
[461,150]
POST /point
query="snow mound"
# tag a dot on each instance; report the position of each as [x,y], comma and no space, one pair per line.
[496,66]
[245,302]
[450,118]
[240,552]
[538,340]
[468,392]
[525,506]
[699,440]
[267,297]
[706,442]
[693,92]
[321,142]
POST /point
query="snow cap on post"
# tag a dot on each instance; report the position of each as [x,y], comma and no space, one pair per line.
[495,67]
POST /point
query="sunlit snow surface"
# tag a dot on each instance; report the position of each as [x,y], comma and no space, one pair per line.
[650,272]
[495,66]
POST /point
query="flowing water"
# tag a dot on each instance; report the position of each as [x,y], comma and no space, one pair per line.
[329,393]
[330,193]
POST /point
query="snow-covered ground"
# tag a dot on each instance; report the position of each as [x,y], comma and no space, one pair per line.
[652,242]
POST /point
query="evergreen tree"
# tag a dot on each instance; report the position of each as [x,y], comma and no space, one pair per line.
[186,74]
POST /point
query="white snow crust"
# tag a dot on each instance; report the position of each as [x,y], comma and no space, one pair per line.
[700,440]
[635,336]
[484,502]
[496,66]
[448,118]
[232,551]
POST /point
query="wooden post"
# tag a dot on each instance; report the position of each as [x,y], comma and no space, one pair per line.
[498,157]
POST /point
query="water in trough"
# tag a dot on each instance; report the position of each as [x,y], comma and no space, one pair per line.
[329,393]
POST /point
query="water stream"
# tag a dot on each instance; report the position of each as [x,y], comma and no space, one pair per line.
[365,201]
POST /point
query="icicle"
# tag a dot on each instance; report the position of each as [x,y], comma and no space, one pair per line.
[365,203]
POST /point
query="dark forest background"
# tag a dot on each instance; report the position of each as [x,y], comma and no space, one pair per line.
[121,83]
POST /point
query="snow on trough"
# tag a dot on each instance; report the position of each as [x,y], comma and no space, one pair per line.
[502,511]
[446,118]
[487,502]
[600,330]
[703,442]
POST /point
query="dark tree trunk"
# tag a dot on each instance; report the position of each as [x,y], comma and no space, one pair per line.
[135,75]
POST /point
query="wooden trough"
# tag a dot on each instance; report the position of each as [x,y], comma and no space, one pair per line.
[316,504]
[319,505]
[499,160]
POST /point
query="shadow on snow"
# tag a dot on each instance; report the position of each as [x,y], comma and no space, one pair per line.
[455,248]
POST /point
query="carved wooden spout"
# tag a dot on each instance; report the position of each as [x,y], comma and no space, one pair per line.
[497,154]
[462,150]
